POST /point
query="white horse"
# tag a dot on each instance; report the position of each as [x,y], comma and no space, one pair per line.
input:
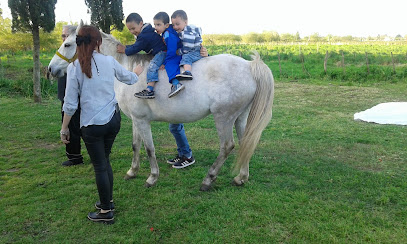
[237,92]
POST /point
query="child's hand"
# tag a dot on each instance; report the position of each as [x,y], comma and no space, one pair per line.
[138,70]
[120,48]
[204,52]
[162,67]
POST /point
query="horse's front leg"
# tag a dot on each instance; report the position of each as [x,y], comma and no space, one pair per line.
[135,164]
[144,129]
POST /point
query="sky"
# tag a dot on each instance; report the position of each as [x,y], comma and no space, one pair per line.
[358,18]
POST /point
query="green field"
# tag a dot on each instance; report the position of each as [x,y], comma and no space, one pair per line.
[317,176]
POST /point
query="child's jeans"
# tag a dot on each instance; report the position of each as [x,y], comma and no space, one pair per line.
[155,64]
[192,56]
[178,132]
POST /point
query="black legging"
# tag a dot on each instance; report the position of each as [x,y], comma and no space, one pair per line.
[99,141]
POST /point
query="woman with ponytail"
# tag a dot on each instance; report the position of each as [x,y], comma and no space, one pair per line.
[90,84]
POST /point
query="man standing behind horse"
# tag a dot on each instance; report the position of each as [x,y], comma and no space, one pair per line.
[73,149]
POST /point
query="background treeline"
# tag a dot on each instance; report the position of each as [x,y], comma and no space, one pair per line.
[23,41]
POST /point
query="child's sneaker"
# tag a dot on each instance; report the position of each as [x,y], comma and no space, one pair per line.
[174,160]
[175,89]
[186,75]
[146,94]
[184,162]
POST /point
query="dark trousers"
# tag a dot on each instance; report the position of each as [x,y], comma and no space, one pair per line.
[99,141]
[73,149]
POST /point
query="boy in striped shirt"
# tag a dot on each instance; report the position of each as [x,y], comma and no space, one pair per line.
[190,36]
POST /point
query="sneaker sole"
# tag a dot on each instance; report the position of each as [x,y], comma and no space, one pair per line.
[176,91]
[182,77]
[144,97]
[183,166]
[105,221]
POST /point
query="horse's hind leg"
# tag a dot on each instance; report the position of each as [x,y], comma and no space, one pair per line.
[240,126]
[135,164]
[225,132]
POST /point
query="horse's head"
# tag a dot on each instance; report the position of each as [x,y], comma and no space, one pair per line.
[65,55]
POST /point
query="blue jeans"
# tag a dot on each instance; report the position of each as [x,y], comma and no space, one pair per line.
[155,64]
[192,56]
[178,132]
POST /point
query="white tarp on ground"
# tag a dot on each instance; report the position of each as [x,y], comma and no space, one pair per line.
[385,113]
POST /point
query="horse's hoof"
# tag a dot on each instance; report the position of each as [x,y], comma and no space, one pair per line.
[148,185]
[205,187]
[128,177]
[238,183]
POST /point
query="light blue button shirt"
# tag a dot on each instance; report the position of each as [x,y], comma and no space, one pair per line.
[97,97]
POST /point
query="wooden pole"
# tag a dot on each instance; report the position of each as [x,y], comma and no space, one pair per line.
[279,64]
[343,63]
[392,61]
[326,62]
[367,64]
[303,65]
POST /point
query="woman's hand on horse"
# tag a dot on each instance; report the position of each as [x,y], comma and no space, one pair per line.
[65,136]
[138,70]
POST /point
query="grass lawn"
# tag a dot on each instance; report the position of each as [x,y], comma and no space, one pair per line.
[317,176]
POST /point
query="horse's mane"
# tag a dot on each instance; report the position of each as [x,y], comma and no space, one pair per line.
[110,43]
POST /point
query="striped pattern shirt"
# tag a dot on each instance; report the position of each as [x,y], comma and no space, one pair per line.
[191,38]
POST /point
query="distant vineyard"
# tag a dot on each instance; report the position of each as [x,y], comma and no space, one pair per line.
[358,62]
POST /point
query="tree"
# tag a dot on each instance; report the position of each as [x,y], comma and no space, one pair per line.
[105,13]
[30,16]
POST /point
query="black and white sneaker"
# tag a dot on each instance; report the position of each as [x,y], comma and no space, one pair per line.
[186,75]
[184,162]
[174,160]
[176,89]
[107,218]
[146,94]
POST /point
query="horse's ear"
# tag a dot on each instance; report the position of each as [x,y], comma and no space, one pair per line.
[79,26]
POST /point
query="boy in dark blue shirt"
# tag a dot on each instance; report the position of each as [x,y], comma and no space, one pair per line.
[150,42]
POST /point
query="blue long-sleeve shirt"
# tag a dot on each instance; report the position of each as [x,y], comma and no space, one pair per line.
[172,60]
[173,42]
[96,95]
[148,41]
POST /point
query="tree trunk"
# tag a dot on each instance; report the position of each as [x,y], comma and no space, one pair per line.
[36,70]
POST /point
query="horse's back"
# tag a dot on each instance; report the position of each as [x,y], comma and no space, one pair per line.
[220,82]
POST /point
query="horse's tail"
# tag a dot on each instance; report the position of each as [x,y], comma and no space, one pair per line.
[260,111]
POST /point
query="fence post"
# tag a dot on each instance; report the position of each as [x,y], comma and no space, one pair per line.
[279,63]
[367,64]
[326,62]
[392,61]
[303,65]
[343,63]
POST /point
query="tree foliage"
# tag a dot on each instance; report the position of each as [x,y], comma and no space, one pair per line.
[29,15]
[106,13]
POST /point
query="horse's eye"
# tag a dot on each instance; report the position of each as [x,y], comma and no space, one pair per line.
[67,45]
